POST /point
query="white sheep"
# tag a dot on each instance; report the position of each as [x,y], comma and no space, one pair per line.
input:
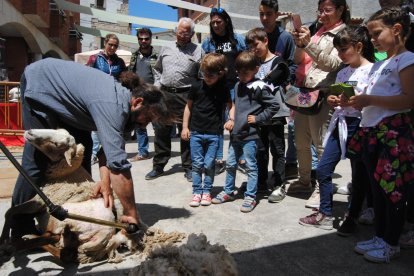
[68,184]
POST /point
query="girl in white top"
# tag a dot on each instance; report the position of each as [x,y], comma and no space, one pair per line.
[356,50]
[385,142]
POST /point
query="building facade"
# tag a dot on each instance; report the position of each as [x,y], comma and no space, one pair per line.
[90,42]
[34,29]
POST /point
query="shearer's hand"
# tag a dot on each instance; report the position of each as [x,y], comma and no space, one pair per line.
[103,189]
[129,220]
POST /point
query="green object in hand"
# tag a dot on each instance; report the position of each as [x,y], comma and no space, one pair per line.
[342,88]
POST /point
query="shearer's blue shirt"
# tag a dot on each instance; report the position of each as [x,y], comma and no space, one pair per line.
[84,98]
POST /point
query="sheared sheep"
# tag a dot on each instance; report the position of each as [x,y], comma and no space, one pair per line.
[196,257]
[70,185]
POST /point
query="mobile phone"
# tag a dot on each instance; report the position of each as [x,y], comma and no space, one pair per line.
[342,88]
[297,22]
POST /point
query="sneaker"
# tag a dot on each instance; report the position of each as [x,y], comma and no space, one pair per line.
[222,197]
[291,171]
[299,187]
[345,190]
[373,244]
[367,216]
[242,167]
[220,167]
[155,173]
[188,175]
[248,204]
[314,200]
[277,195]
[347,228]
[195,201]
[407,239]
[206,200]
[383,255]
[139,158]
[318,220]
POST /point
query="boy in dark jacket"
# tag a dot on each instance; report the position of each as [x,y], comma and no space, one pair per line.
[254,105]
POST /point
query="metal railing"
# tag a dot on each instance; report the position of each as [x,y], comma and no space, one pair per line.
[10,109]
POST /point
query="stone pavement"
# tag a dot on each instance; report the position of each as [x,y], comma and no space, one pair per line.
[267,241]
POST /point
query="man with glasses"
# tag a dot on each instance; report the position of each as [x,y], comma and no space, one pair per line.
[141,64]
[176,72]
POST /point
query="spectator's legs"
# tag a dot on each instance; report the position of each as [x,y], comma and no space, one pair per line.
[142,141]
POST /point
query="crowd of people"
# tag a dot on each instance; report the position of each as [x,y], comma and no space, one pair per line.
[240,84]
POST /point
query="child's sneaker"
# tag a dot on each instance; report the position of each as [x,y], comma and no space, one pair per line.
[383,255]
[206,200]
[367,216]
[318,220]
[222,197]
[375,243]
[248,204]
[195,201]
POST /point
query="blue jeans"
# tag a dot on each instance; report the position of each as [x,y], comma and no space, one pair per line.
[142,140]
[236,149]
[203,155]
[330,158]
[291,155]
[96,143]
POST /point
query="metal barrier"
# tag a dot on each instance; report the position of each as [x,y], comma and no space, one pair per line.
[10,108]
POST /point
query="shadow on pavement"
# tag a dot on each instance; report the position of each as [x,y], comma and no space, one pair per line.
[151,213]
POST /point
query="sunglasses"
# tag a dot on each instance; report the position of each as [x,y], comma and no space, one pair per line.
[217,10]
[143,38]
[113,45]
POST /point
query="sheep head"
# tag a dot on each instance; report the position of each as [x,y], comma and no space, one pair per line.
[54,143]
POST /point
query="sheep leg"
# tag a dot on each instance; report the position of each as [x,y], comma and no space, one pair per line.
[34,241]
[52,250]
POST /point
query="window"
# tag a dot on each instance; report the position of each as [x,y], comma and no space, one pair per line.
[100,4]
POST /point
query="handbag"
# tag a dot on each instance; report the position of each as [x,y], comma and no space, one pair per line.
[304,100]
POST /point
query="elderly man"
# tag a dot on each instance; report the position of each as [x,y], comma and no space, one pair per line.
[176,72]
[64,94]
[141,64]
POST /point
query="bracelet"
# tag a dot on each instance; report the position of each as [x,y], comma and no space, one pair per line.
[230,119]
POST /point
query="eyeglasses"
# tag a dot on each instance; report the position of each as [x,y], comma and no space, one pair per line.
[325,11]
[113,45]
[144,38]
[217,10]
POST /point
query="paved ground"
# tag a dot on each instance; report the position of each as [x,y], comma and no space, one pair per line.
[267,241]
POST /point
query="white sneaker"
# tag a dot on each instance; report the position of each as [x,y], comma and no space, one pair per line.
[367,216]
[383,255]
[345,190]
[277,195]
[314,200]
